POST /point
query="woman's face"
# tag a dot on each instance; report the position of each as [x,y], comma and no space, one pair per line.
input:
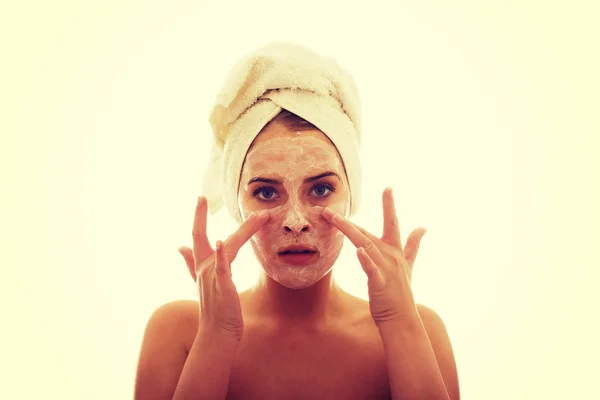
[294,176]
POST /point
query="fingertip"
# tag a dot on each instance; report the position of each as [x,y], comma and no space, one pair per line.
[223,249]
[218,254]
[263,216]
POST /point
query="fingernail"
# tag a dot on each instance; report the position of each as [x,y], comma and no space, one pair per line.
[252,215]
[327,212]
[263,215]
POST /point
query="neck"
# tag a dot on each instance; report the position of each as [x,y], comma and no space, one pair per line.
[315,306]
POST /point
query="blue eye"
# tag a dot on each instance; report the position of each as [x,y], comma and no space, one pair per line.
[267,193]
[323,189]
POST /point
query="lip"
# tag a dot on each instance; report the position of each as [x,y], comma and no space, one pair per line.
[298,247]
[299,258]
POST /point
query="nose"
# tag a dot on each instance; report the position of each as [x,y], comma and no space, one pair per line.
[295,222]
[296,228]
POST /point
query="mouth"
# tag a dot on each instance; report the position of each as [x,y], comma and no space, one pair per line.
[297,249]
[298,255]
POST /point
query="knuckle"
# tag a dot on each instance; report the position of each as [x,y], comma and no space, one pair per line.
[396,255]
[231,254]
[202,272]
[399,253]
[205,266]
[230,241]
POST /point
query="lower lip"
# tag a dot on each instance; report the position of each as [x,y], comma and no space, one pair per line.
[299,258]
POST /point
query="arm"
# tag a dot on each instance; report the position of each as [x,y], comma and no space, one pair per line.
[419,356]
[166,371]
[431,371]
[208,368]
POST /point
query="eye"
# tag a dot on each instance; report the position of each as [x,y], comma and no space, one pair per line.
[323,189]
[267,192]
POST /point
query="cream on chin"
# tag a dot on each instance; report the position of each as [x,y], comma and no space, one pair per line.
[295,204]
[297,271]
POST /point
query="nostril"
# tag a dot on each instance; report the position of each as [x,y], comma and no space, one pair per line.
[304,229]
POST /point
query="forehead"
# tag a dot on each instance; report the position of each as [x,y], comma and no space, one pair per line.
[278,146]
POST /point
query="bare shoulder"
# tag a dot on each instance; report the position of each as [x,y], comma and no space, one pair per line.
[165,347]
[174,318]
[442,347]
[435,327]
[430,317]
[177,310]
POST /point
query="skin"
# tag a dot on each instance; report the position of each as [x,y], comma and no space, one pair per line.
[303,336]
[306,294]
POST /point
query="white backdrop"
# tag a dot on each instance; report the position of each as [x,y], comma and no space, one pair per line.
[480,115]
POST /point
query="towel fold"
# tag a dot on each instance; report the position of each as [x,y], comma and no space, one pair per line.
[263,83]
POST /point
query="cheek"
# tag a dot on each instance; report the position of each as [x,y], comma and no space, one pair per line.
[322,234]
[244,203]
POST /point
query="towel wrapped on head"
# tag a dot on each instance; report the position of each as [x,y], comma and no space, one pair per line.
[280,76]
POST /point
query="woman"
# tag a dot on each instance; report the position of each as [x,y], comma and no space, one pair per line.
[292,182]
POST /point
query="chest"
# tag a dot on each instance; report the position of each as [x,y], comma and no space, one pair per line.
[338,365]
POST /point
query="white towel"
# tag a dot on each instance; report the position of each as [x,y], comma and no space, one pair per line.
[275,77]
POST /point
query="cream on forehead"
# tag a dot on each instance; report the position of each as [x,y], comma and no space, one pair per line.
[293,157]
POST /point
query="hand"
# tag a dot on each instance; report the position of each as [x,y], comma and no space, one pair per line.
[387,265]
[220,309]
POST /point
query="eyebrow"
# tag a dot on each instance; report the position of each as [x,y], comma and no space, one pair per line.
[306,180]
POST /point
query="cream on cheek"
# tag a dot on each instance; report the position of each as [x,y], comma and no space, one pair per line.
[295,210]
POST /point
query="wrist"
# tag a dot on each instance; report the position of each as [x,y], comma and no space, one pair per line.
[213,336]
[405,324]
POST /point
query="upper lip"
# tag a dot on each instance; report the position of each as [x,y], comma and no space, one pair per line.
[297,247]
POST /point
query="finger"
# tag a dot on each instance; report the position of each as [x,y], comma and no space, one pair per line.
[374,275]
[188,256]
[202,247]
[369,235]
[222,266]
[391,229]
[354,234]
[412,245]
[247,229]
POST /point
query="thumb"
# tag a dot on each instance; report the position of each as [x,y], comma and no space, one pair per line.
[412,245]
[188,256]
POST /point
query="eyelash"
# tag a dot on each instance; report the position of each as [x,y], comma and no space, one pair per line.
[318,185]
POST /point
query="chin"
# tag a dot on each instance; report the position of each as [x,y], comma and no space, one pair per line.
[297,278]
[296,284]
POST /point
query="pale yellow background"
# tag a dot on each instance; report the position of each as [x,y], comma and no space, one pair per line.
[483,116]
